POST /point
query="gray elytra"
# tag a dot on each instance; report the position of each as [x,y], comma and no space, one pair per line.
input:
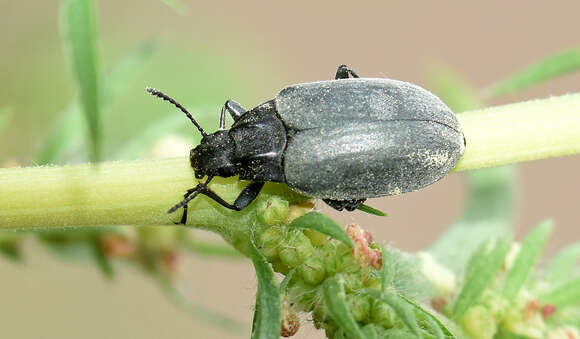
[342,140]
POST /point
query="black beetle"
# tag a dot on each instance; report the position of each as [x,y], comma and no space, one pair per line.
[342,140]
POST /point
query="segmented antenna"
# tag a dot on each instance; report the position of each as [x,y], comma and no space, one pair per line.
[165,97]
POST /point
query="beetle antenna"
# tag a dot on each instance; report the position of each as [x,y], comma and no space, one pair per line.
[165,97]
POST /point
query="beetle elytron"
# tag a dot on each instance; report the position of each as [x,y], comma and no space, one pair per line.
[342,140]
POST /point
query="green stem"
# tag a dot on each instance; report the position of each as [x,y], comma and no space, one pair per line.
[140,192]
[524,131]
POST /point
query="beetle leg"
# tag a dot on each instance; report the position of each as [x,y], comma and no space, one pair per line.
[183,219]
[234,108]
[343,72]
[248,194]
[349,205]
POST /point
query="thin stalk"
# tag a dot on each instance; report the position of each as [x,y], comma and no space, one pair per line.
[140,192]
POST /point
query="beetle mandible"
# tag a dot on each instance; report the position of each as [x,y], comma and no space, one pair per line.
[342,140]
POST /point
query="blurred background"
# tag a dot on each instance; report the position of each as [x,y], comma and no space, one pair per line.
[203,53]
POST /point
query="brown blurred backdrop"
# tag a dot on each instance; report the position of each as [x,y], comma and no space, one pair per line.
[270,45]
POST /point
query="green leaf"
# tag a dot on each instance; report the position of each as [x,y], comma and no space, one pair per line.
[268,313]
[101,258]
[400,306]
[481,269]
[526,259]
[67,136]
[287,279]
[562,266]
[371,210]
[335,300]
[386,270]
[487,215]
[323,224]
[567,294]
[177,5]
[438,329]
[554,66]
[199,312]
[78,18]
[5,117]
[370,332]
[452,89]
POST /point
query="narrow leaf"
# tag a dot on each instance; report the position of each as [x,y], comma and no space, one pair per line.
[386,270]
[197,311]
[177,5]
[335,300]
[400,306]
[482,267]
[5,117]
[526,259]
[101,258]
[439,330]
[554,66]
[487,215]
[68,132]
[79,29]
[562,266]
[323,224]
[268,316]
[370,332]
[452,89]
[287,279]
[371,210]
[567,294]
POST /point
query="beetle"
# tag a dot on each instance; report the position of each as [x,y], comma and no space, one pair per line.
[342,140]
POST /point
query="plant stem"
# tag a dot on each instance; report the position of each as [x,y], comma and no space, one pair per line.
[140,192]
[524,131]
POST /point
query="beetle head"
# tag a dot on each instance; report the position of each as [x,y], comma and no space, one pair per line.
[213,156]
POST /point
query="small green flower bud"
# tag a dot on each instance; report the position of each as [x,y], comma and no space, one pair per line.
[360,306]
[316,238]
[269,242]
[296,248]
[353,282]
[383,315]
[312,270]
[479,323]
[272,211]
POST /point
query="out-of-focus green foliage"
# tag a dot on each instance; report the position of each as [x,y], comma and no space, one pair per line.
[79,30]
[556,65]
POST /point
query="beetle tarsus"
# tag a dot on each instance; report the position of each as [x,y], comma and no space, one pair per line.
[343,72]
[349,205]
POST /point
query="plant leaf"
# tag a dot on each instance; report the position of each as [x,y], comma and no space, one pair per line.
[563,264]
[440,331]
[197,311]
[567,294]
[101,258]
[370,332]
[68,132]
[452,89]
[268,313]
[526,259]
[323,224]
[335,300]
[5,117]
[287,279]
[177,5]
[554,66]
[482,267]
[400,306]
[371,210]
[78,18]
[487,215]
[386,270]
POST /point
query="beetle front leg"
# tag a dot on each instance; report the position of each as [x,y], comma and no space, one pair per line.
[343,72]
[245,198]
